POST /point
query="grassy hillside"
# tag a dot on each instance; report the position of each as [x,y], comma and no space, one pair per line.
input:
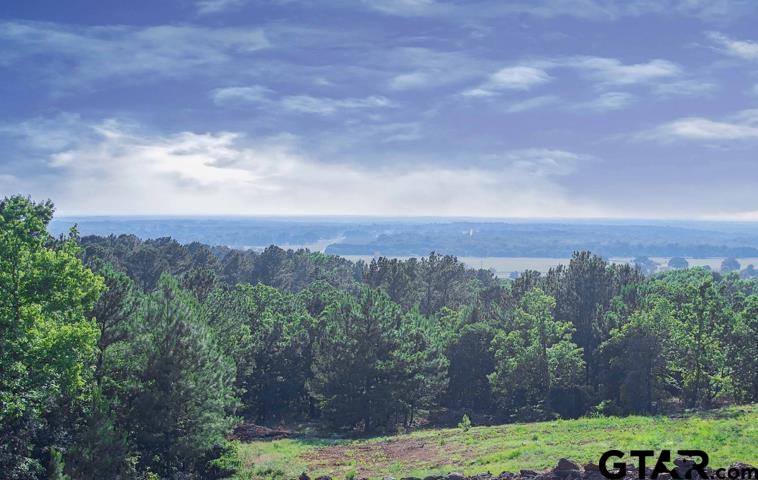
[728,436]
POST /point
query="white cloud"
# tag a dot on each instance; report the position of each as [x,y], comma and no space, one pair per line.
[747,117]
[328,106]
[406,81]
[710,10]
[684,88]
[121,169]
[544,162]
[613,71]
[533,103]
[608,101]
[207,7]
[602,71]
[133,53]
[745,49]
[235,96]
[417,68]
[518,77]
[741,126]
[404,7]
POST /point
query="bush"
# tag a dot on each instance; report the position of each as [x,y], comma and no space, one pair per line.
[465,424]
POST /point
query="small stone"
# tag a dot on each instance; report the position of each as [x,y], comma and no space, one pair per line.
[566,464]
[591,467]
[455,476]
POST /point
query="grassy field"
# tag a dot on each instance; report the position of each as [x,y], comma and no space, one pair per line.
[728,436]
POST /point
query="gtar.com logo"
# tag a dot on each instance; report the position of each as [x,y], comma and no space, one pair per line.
[694,467]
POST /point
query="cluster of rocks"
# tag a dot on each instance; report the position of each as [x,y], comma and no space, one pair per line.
[568,470]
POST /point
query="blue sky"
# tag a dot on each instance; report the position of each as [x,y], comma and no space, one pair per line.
[533,108]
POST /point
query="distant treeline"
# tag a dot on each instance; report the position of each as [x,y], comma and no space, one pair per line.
[463,238]
[123,358]
[553,241]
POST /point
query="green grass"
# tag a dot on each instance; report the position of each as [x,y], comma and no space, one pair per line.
[728,436]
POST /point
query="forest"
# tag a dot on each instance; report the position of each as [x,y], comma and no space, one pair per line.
[136,359]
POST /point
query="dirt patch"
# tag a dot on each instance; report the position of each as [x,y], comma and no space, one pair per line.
[374,458]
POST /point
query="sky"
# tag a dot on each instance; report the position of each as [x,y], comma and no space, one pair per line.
[524,108]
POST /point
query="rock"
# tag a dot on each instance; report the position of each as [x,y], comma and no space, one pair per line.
[566,474]
[388,478]
[506,476]
[684,467]
[455,476]
[430,477]
[591,467]
[483,476]
[548,476]
[303,476]
[528,473]
[593,475]
[324,477]
[566,464]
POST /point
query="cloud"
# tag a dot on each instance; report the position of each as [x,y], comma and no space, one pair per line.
[533,103]
[597,10]
[740,126]
[544,162]
[608,101]
[612,71]
[510,78]
[415,68]
[615,9]
[88,54]
[406,81]
[404,7]
[207,7]
[328,106]
[684,88]
[236,96]
[602,71]
[122,169]
[745,49]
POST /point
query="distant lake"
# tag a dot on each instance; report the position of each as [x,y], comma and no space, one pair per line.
[503,266]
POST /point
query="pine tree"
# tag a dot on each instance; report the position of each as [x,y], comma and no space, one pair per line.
[182,394]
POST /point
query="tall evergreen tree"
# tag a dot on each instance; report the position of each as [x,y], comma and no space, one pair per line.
[180,399]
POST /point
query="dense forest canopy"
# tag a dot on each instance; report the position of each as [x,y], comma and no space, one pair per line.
[124,358]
